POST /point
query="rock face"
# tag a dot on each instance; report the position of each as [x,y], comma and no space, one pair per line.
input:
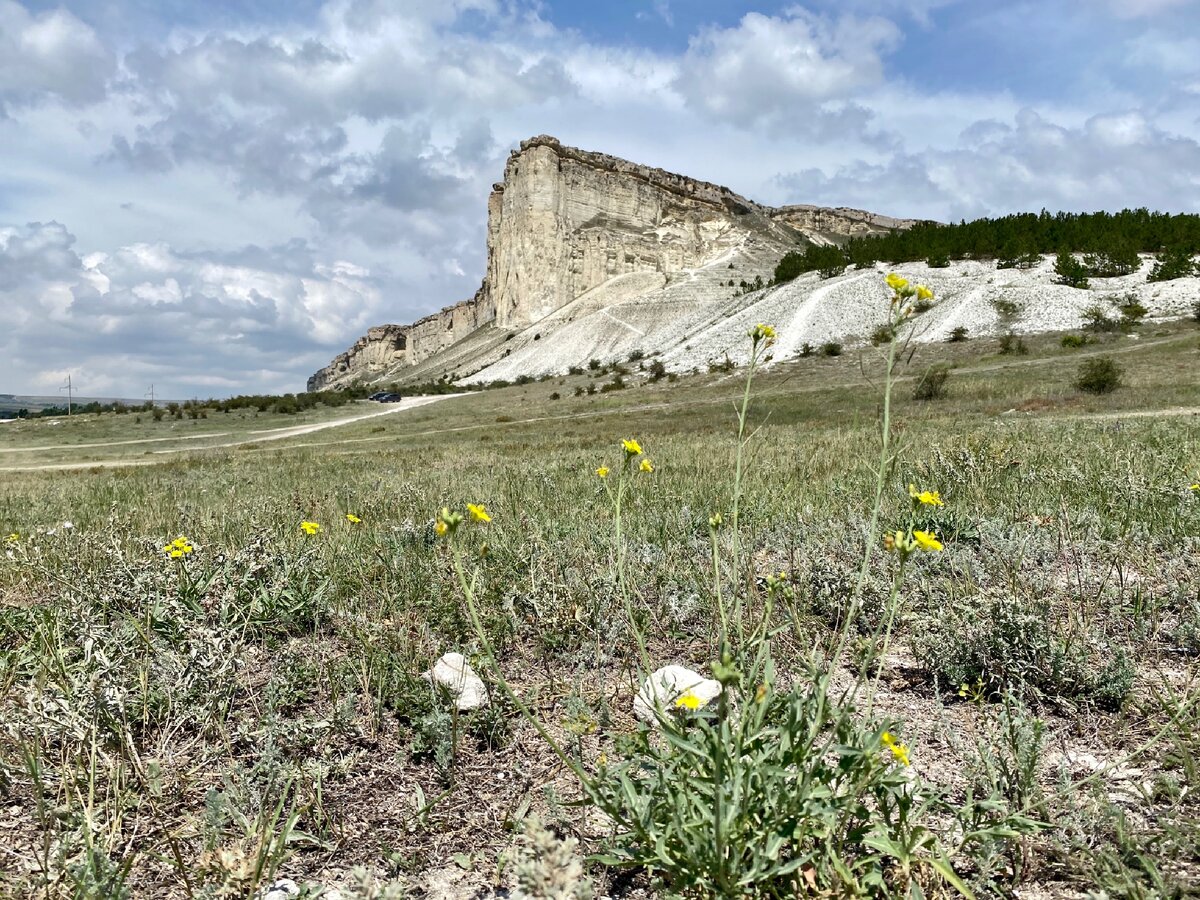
[567,224]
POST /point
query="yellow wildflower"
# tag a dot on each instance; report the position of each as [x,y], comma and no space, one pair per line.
[632,447]
[899,751]
[928,498]
[310,527]
[1194,487]
[688,700]
[602,759]
[13,538]
[352,518]
[927,541]
[181,546]
[478,513]
[762,332]
[448,522]
[896,283]
[924,293]
[602,471]
[646,466]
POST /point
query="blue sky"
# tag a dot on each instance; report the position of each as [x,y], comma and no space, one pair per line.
[218,197]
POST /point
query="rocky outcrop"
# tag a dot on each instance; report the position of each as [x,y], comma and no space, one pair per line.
[567,223]
[824,225]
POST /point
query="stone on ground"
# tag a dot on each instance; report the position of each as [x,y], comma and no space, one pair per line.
[455,674]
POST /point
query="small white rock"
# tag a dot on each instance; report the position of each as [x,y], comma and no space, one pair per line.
[280,889]
[668,684]
[455,674]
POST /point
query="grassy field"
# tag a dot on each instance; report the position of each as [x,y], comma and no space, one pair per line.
[255,709]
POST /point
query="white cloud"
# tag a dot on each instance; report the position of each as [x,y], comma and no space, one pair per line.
[170,310]
[52,54]
[780,71]
[268,191]
[1133,9]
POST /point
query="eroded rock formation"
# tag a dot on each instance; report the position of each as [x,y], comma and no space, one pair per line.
[565,223]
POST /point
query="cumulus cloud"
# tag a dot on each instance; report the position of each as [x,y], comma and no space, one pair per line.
[785,71]
[53,54]
[251,194]
[1111,161]
[239,315]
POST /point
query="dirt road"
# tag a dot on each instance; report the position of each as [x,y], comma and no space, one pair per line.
[250,437]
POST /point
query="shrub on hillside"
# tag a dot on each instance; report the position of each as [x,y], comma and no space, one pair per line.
[1098,376]
[939,260]
[1011,345]
[957,335]
[1132,312]
[1072,341]
[1070,271]
[831,348]
[1172,263]
[1196,311]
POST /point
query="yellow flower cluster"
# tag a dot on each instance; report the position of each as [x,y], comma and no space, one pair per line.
[310,528]
[632,450]
[925,498]
[898,750]
[352,518]
[13,538]
[761,332]
[902,290]
[906,542]
[178,548]
[448,521]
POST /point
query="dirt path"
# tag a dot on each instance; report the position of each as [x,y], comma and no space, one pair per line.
[252,437]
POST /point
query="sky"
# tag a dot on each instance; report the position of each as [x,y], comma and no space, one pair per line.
[217,198]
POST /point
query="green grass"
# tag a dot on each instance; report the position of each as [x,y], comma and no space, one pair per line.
[171,725]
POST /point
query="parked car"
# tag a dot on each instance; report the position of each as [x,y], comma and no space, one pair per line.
[379,395]
[390,398]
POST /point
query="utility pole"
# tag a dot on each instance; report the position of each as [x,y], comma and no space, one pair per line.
[150,395]
[67,387]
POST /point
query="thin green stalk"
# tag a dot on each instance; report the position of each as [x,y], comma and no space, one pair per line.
[468,590]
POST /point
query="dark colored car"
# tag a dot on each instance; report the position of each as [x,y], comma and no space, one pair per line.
[390,398]
[378,395]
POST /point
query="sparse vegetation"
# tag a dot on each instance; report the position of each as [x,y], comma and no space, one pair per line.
[1016,630]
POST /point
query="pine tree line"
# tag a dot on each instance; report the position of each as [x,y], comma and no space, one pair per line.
[1110,244]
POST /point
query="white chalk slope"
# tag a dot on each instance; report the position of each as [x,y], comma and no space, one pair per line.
[692,318]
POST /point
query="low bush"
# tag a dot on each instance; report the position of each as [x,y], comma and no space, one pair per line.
[958,335]
[1098,376]
[932,385]
[831,348]
[1073,341]
[884,334]
[1011,345]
